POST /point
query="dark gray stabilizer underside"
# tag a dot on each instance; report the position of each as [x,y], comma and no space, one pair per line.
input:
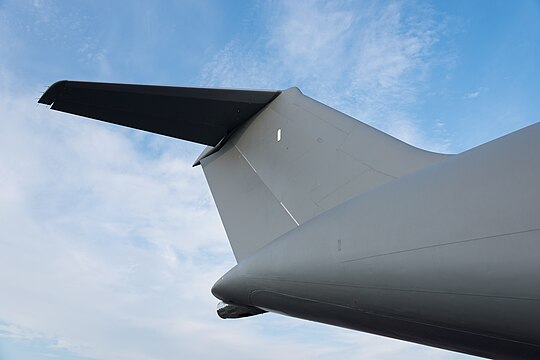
[200,115]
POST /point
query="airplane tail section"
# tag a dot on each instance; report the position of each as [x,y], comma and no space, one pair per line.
[275,159]
[294,160]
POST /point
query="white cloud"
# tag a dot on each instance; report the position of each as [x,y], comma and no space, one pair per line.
[472,95]
[308,35]
[476,93]
[95,236]
[368,59]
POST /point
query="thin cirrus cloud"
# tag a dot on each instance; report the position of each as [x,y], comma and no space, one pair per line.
[473,95]
[371,64]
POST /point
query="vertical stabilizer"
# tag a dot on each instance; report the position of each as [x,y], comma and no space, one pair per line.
[295,159]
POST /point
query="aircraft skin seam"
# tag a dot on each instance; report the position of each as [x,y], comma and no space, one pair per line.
[288,212]
[398,318]
[354,178]
[329,123]
[389,288]
[361,161]
[245,158]
[445,244]
[281,203]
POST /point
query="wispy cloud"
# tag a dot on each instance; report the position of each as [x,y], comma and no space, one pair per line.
[476,93]
[472,95]
[368,59]
[88,221]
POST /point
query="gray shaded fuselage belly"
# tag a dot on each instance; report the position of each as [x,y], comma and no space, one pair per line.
[448,256]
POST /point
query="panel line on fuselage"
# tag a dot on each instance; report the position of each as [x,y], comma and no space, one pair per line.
[445,244]
[336,284]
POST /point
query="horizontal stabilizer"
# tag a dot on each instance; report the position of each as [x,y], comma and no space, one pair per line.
[201,115]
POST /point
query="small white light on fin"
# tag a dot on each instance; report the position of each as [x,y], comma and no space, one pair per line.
[278,135]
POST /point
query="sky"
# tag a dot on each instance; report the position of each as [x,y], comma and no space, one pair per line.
[110,241]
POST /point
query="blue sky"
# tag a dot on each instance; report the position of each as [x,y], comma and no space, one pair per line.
[110,241]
